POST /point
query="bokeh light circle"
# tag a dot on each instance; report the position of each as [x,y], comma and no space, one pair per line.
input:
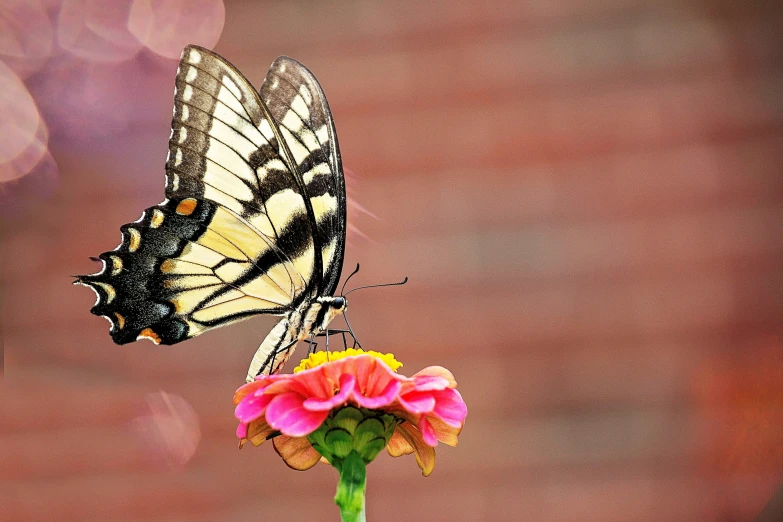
[97,30]
[167,26]
[168,430]
[24,136]
[26,35]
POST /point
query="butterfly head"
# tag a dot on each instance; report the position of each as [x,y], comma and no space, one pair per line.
[339,304]
[326,309]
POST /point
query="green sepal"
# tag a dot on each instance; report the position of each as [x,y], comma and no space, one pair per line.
[371,449]
[339,441]
[368,430]
[348,418]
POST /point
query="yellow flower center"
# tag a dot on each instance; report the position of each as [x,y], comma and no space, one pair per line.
[318,358]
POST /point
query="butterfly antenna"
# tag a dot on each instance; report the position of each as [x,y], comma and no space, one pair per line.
[376,286]
[348,279]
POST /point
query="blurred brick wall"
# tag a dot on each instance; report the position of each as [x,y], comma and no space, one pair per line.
[587,199]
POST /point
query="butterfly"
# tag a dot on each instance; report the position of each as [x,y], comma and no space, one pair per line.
[254,219]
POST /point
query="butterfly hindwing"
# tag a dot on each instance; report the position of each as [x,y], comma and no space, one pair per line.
[187,266]
[235,236]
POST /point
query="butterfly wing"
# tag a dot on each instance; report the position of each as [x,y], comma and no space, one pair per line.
[297,102]
[235,236]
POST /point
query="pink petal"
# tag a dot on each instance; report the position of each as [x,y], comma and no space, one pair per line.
[317,382]
[289,385]
[246,389]
[242,430]
[425,454]
[398,446]
[386,397]
[407,387]
[450,407]
[418,402]
[287,414]
[364,368]
[252,407]
[297,452]
[372,375]
[347,385]
[429,383]
[443,432]
[257,432]
[427,432]
[437,371]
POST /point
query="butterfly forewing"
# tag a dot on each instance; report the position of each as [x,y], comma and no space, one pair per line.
[235,236]
[296,101]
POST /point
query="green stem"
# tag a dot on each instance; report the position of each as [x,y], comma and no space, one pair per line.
[351,488]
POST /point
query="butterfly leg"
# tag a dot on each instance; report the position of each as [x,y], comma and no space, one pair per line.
[311,344]
[342,332]
[355,340]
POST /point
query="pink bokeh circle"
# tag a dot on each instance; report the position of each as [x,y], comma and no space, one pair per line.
[167,26]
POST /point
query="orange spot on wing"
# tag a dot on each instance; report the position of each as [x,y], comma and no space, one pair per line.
[134,240]
[178,308]
[167,266]
[120,320]
[186,206]
[147,333]
[116,265]
[157,218]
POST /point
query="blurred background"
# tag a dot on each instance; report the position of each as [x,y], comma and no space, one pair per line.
[585,195]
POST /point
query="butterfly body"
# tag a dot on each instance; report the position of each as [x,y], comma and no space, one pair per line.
[254,219]
[311,318]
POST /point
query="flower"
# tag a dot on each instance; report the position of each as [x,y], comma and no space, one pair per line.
[351,403]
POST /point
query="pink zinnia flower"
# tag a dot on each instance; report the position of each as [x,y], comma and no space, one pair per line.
[353,400]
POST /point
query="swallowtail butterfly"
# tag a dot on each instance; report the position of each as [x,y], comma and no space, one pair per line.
[253,222]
